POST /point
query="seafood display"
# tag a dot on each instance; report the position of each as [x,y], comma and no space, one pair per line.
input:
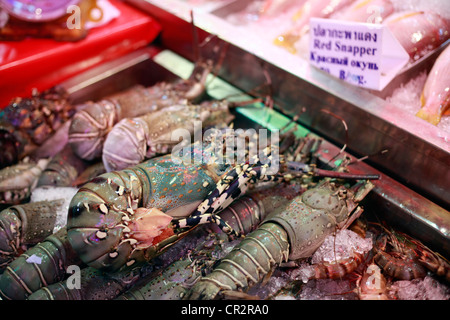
[244,215]
[168,199]
[295,232]
[357,266]
[91,125]
[251,34]
[108,214]
[435,97]
[422,28]
[116,227]
[131,141]
[27,123]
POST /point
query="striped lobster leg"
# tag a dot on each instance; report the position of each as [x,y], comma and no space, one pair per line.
[233,184]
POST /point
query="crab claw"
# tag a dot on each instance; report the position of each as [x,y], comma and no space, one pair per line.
[147,224]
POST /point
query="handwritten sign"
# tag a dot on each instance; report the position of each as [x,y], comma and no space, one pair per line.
[363,54]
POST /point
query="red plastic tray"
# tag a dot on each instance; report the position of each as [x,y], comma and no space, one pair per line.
[43,63]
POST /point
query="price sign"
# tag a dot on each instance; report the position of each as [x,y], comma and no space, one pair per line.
[363,54]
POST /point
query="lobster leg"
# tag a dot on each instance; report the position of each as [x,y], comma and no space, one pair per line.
[299,167]
[233,185]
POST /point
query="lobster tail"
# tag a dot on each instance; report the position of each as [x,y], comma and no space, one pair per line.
[126,144]
[90,126]
[247,263]
[9,236]
[63,169]
[291,232]
[17,181]
[39,266]
[25,225]
[93,285]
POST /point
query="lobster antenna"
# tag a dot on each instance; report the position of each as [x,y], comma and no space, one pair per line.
[293,120]
[346,132]
[381,152]
[195,44]
[268,84]
[250,92]
[219,63]
[270,101]
[334,244]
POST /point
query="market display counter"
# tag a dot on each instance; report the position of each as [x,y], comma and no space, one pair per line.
[418,152]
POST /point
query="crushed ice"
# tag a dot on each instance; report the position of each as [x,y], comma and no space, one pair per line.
[427,288]
[54,193]
[407,97]
[341,247]
[334,248]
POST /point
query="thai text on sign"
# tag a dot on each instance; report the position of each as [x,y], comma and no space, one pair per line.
[354,52]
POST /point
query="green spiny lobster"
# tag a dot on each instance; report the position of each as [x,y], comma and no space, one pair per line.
[244,215]
[24,225]
[293,232]
[92,123]
[39,266]
[129,216]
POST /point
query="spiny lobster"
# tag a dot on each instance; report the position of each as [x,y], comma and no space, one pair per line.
[107,229]
[131,141]
[293,232]
[244,215]
[22,226]
[91,124]
[26,123]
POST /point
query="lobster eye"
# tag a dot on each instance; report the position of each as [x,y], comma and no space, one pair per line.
[76,210]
